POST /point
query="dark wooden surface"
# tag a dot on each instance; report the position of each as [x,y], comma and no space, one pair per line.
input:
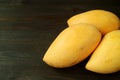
[27,28]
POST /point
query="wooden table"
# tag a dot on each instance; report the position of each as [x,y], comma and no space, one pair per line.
[27,28]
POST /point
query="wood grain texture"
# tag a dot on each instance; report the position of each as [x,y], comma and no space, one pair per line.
[27,28]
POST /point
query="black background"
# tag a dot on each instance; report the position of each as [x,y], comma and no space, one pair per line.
[27,28]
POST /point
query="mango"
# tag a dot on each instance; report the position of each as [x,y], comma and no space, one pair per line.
[72,46]
[106,58]
[105,21]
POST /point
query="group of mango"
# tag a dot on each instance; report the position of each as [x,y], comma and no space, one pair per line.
[94,33]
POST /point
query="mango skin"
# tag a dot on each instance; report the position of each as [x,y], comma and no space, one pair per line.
[105,21]
[106,58]
[72,46]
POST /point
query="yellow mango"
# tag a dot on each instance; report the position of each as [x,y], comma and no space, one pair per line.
[72,46]
[106,58]
[105,21]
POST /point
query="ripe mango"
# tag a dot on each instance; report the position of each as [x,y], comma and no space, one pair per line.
[106,58]
[105,21]
[72,46]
